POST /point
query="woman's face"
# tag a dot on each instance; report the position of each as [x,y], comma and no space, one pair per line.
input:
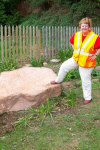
[85,28]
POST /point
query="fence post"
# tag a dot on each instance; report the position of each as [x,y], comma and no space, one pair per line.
[2,45]
[9,41]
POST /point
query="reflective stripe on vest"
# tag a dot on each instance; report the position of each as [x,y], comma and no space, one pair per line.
[82,53]
[82,50]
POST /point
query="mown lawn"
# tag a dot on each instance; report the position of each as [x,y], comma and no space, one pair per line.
[58,125]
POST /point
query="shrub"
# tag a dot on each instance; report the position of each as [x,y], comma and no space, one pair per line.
[8,65]
[65,54]
[37,63]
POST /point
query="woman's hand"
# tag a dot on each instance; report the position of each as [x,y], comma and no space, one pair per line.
[93,57]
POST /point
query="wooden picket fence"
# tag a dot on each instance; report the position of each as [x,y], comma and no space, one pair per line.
[23,43]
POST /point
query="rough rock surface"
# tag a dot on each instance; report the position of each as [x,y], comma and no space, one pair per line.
[26,87]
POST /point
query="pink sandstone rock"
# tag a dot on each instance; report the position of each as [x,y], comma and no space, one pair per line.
[26,87]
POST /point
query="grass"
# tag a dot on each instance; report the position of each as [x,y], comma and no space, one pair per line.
[56,126]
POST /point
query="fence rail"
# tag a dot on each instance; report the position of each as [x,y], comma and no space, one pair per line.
[25,42]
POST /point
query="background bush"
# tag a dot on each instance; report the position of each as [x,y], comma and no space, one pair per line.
[53,12]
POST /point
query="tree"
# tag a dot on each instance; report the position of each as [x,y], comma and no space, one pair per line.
[83,9]
[8,12]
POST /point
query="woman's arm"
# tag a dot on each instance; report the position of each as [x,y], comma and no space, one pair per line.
[97,48]
[96,54]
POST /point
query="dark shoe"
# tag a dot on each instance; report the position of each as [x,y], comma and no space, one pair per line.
[87,102]
[53,82]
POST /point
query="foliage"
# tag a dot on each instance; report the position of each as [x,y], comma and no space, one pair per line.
[60,12]
[65,54]
[8,65]
[96,74]
[37,63]
[65,2]
[3,16]
[8,12]
[43,111]
[64,13]
[50,18]
[77,12]
[47,109]
[36,3]
[68,99]
[74,74]
[71,98]
[98,60]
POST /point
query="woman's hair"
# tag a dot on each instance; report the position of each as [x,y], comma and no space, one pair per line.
[86,21]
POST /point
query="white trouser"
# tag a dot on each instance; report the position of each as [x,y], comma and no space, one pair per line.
[85,74]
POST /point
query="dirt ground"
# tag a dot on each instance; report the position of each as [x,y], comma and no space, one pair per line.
[7,122]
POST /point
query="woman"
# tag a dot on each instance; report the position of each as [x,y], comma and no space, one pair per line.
[86,45]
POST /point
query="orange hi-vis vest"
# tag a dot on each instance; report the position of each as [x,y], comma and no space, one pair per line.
[84,50]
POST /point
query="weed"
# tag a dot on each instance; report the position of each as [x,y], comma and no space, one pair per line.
[8,65]
[37,63]
[71,98]
[74,74]
[39,113]
[98,61]
[24,121]
[46,109]
[65,54]
[96,73]
[66,99]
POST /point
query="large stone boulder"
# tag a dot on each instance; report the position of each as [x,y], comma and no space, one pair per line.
[26,87]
